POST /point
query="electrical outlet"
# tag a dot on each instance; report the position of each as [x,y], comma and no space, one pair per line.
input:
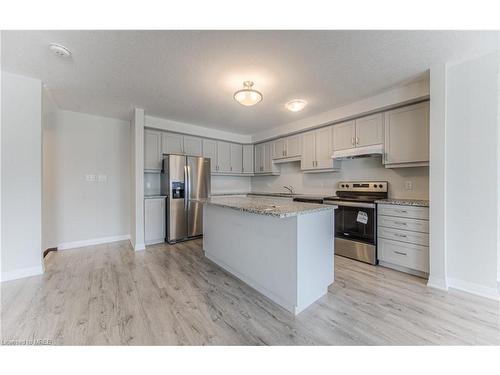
[102,178]
[408,185]
[90,178]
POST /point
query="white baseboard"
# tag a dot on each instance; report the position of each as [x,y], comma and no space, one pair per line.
[437,283]
[472,288]
[139,246]
[23,272]
[94,241]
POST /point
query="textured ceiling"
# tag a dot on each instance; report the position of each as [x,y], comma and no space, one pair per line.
[190,76]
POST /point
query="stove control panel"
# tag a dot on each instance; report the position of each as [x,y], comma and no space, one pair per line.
[363,186]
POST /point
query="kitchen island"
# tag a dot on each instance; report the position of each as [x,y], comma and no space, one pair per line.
[281,248]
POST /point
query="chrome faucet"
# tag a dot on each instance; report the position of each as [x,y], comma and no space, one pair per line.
[290,189]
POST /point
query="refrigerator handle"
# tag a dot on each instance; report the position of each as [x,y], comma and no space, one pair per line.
[187,181]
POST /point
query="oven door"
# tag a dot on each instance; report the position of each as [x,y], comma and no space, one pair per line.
[356,221]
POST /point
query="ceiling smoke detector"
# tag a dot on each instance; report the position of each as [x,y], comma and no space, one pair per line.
[60,50]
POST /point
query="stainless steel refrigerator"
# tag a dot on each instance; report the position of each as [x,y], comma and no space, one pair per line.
[184,179]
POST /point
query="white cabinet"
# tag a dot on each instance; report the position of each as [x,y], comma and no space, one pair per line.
[172,143]
[210,151]
[236,158]
[223,157]
[406,136]
[154,220]
[152,150]
[370,130]
[248,159]
[317,150]
[287,148]
[192,146]
[263,159]
[365,131]
[403,238]
[344,135]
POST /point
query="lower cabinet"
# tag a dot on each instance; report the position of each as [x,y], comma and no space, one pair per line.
[154,220]
[403,238]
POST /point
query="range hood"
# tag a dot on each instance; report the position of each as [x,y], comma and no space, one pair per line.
[359,152]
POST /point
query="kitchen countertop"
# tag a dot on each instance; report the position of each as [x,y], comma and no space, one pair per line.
[405,202]
[155,196]
[280,195]
[266,206]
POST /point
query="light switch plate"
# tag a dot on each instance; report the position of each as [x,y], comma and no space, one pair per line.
[408,185]
[102,178]
[90,177]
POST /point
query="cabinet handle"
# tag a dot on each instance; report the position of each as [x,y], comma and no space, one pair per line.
[400,253]
[352,141]
[357,140]
[400,235]
[285,153]
[402,211]
[400,223]
[231,168]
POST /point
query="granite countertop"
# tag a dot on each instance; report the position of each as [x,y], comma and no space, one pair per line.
[266,206]
[155,196]
[267,194]
[405,202]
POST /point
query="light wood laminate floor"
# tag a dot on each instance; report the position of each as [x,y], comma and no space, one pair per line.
[172,295]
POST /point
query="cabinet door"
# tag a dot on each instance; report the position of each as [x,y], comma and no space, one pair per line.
[152,149]
[308,150]
[259,158]
[278,148]
[172,143]
[247,159]
[369,130]
[407,134]
[236,158]
[268,160]
[154,220]
[344,135]
[293,146]
[192,146]
[210,151]
[323,143]
[223,157]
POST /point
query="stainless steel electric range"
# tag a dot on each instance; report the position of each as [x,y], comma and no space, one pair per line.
[356,218]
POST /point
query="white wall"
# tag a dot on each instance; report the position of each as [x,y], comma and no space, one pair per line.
[356,169]
[21,140]
[79,211]
[137,179]
[230,184]
[472,170]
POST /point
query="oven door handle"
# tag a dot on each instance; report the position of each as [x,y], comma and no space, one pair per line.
[351,204]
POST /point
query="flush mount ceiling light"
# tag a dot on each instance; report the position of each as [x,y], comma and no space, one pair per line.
[59,50]
[247,96]
[296,105]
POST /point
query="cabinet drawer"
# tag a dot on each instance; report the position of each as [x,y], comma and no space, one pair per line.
[404,236]
[404,211]
[403,223]
[404,254]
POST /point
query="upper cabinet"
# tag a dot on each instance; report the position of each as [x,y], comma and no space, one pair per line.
[406,136]
[210,151]
[172,143]
[263,159]
[192,146]
[365,131]
[370,130]
[344,135]
[287,148]
[316,151]
[236,158]
[223,157]
[247,167]
[152,150]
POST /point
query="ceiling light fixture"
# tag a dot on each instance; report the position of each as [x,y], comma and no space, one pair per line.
[296,105]
[59,50]
[247,96]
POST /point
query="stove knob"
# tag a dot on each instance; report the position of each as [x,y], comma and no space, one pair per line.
[347,185]
[374,185]
[342,185]
[380,186]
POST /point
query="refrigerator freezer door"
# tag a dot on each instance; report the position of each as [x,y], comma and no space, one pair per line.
[177,207]
[198,187]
